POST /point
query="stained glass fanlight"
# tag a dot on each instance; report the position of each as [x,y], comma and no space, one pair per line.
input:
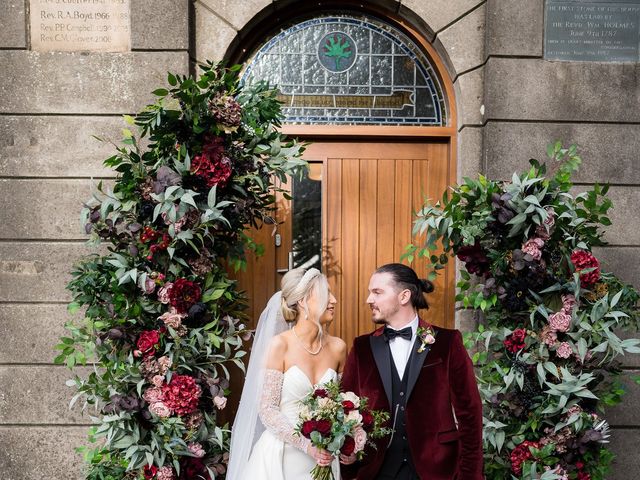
[349,70]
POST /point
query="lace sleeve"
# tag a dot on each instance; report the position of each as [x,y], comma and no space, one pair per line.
[270,413]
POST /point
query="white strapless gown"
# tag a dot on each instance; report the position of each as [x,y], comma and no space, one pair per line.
[273,459]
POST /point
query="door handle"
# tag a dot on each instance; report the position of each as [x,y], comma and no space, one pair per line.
[290,267]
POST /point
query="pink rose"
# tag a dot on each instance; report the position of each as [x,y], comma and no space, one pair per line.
[158,380]
[153,395]
[560,321]
[196,449]
[220,402]
[172,318]
[164,292]
[429,339]
[532,247]
[360,438]
[160,409]
[564,350]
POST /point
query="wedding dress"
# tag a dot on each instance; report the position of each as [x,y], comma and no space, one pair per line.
[279,454]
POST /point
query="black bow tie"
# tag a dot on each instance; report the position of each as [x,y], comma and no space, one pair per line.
[405,333]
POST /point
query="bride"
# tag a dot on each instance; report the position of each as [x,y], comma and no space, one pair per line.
[287,361]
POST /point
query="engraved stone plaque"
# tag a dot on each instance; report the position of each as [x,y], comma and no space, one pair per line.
[584,30]
[80,25]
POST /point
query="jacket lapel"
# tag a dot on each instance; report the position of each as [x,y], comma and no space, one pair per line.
[382,356]
[416,359]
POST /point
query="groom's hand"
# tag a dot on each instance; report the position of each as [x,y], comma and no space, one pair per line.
[347,459]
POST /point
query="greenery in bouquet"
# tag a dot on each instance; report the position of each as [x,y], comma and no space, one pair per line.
[340,423]
[548,342]
[163,320]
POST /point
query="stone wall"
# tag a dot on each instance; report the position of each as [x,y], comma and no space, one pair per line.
[530,102]
[510,103]
[50,106]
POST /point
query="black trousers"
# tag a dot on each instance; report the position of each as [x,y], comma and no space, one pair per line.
[406,472]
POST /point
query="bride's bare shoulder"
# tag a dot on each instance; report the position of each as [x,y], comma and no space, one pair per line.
[337,344]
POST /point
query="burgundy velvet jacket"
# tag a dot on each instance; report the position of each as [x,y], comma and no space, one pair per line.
[441,380]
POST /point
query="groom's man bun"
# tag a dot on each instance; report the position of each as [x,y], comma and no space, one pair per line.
[406,278]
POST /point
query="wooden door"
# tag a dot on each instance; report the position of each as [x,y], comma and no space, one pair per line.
[370,192]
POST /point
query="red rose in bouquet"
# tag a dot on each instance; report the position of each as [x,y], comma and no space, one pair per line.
[367,419]
[348,406]
[320,393]
[308,427]
[348,446]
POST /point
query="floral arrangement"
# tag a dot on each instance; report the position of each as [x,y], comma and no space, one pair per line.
[340,423]
[162,317]
[550,318]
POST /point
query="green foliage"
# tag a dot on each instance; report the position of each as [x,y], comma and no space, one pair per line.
[547,347]
[163,322]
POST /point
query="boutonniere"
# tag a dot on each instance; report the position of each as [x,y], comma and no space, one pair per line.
[427,337]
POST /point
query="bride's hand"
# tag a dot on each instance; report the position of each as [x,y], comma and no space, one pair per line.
[321,456]
[347,459]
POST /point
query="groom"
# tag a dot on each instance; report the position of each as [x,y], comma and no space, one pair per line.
[426,382]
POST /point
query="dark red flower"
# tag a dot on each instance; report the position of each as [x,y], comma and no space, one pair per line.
[579,465]
[475,258]
[212,165]
[323,427]
[367,419]
[148,342]
[347,405]
[515,342]
[308,427]
[348,446]
[150,471]
[582,475]
[320,393]
[181,394]
[183,294]
[583,260]
[192,468]
[521,454]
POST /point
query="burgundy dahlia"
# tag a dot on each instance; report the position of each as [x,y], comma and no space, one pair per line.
[212,165]
[583,260]
[475,258]
[192,468]
[182,394]
[183,294]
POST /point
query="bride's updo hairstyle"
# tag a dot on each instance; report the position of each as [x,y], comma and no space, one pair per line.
[406,278]
[297,285]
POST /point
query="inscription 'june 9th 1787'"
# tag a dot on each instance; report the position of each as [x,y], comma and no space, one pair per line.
[592,31]
[80,25]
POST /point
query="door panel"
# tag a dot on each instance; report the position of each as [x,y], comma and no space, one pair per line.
[370,192]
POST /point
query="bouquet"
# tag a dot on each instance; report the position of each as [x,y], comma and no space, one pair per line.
[340,423]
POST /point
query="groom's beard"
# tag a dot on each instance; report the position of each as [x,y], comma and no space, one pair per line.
[381,318]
